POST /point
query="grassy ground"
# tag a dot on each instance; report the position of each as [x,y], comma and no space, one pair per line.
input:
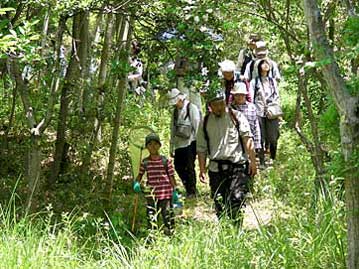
[282,229]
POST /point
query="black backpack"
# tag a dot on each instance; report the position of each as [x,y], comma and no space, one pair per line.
[247,58]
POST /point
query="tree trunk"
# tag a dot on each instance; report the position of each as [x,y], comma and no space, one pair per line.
[121,94]
[67,90]
[83,57]
[44,31]
[94,39]
[314,146]
[9,126]
[55,82]
[347,106]
[33,160]
[101,90]
[33,169]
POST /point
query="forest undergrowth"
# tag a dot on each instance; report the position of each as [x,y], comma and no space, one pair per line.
[287,225]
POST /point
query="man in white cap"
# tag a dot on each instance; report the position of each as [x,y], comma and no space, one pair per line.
[250,112]
[261,52]
[184,126]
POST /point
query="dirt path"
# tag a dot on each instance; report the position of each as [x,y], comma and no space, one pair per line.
[257,212]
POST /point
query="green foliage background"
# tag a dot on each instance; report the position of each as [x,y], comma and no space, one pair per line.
[70,228]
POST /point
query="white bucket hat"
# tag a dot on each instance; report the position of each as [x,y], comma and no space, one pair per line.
[173,96]
[261,48]
[239,88]
[227,66]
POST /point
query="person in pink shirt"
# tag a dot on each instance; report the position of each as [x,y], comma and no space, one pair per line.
[160,185]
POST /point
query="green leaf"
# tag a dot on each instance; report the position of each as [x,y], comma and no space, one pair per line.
[6,9]
[13,33]
[34,37]
[22,30]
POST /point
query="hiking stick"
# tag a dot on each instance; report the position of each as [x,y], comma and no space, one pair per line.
[135,203]
[134,212]
[136,136]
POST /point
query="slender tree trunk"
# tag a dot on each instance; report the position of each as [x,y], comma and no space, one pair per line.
[8,128]
[33,171]
[101,90]
[94,39]
[33,160]
[349,124]
[55,82]
[314,146]
[44,31]
[121,94]
[83,57]
[67,90]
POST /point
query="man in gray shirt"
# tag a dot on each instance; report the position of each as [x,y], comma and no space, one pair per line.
[224,137]
[184,126]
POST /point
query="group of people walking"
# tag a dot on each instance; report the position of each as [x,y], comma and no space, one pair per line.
[242,122]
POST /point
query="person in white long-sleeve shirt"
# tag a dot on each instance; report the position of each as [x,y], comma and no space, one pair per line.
[261,52]
[264,90]
[184,127]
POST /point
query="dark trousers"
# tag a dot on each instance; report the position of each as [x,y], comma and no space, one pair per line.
[163,207]
[269,134]
[228,189]
[185,167]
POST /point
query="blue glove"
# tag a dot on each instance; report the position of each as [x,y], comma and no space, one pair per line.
[136,186]
[175,196]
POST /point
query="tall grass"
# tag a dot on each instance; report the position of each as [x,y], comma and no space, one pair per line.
[298,235]
[298,240]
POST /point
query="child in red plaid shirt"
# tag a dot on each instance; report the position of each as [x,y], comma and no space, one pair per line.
[160,182]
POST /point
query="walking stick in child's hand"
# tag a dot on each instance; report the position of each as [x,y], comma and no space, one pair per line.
[134,212]
[137,190]
[136,136]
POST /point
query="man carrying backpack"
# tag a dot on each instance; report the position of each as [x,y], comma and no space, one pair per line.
[261,52]
[184,126]
[246,55]
[224,137]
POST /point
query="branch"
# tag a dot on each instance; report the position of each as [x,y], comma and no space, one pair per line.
[19,10]
[302,83]
[322,51]
[283,29]
[21,87]
[350,6]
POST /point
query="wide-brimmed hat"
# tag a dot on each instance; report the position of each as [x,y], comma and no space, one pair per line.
[252,38]
[239,88]
[173,96]
[152,137]
[261,48]
[227,66]
[215,95]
